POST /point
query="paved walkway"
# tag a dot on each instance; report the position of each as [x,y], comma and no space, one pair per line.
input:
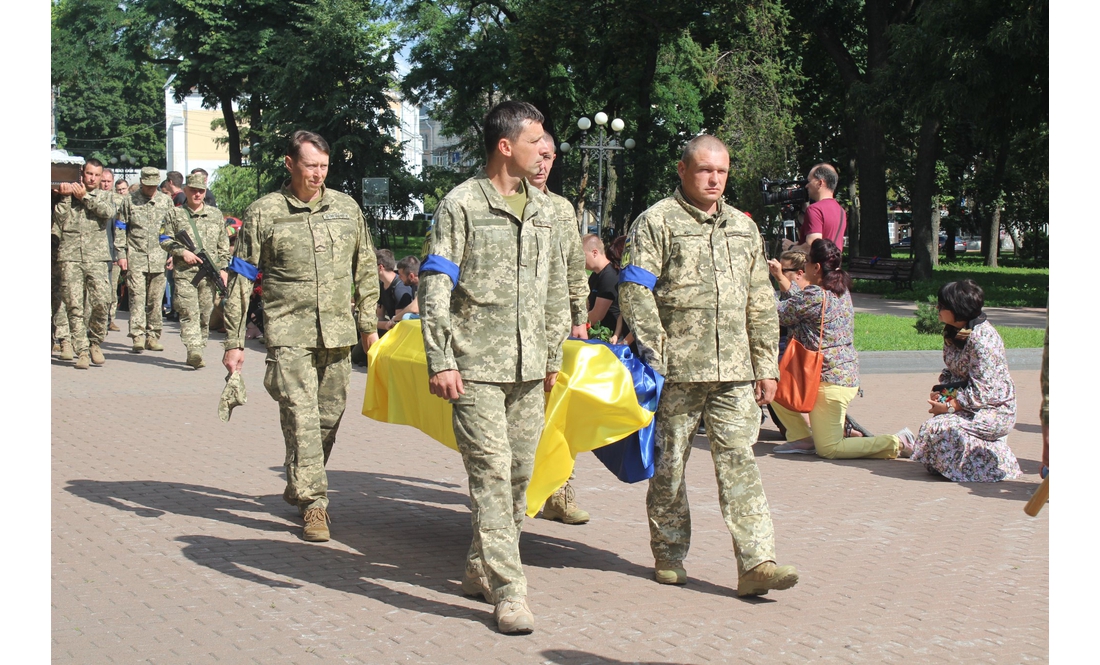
[1017,317]
[171,544]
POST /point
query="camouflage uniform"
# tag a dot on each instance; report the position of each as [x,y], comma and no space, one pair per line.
[114,243]
[311,255]
[695,291]
[493,305]
[143,219]
[572,256]
[195,302]
[59,316]
[83,256]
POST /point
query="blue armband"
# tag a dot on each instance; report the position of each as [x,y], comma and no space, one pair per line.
[244,268]
[436,263]
[120,225]
[164,237]
[638,276]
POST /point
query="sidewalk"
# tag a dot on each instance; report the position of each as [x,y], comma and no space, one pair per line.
[171,543]
[1017,317]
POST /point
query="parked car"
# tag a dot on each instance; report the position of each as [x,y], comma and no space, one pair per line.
[906,243]
[960,245]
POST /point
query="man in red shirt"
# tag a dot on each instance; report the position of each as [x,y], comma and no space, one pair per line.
[825,218]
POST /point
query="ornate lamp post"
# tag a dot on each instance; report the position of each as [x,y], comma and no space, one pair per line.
[124,162]
[603,149]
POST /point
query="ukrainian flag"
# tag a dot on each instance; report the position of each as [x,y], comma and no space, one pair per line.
[594,403]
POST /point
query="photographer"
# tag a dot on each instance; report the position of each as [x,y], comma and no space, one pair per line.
[824,218]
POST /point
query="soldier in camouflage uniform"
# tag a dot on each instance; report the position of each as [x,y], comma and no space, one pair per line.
[695,290]
[80,220]
[107,184]
[144,213]
[562,505]
[206,227]
[494,312]
[59,315]
[313,247]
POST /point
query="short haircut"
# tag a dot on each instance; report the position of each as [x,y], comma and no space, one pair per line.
[700,143]
[592,241]
[385,259]
[107,169]
[827,173]
[93,162]
[199,169]
[964,299]
[163,185]
[300,137]
[795,258]
[176,178]
[409,264]
[506,121]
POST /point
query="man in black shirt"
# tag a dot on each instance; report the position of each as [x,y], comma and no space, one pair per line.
[603,284]
[394,294]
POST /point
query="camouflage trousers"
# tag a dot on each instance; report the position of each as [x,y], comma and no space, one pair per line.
[732,419]
[497,427]
[146,293]
[90,280]
[194,304]
[59,316]
[311,387]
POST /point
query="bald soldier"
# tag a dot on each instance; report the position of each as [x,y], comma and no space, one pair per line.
[695,290]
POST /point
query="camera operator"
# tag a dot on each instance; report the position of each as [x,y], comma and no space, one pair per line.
[824,218]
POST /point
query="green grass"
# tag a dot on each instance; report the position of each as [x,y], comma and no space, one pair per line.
[1005,286]
[882,332]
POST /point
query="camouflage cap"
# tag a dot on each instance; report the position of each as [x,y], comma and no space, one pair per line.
[150,175]
[233,395]
[196,181]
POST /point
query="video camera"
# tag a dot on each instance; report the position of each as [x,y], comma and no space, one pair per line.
[784,192]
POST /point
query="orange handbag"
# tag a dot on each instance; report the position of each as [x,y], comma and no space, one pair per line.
[800,372]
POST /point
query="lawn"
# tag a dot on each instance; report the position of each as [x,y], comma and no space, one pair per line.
[882,332]
[1005,286]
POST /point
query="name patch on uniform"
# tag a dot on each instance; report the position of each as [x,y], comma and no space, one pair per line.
[336,215]
[492,221]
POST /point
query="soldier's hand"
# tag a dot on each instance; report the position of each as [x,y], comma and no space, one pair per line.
[66,188]
[190,258]
[233,360]
[168,264]
[765,391]
[121,264]
[551,379]
[78,190]
[579,332]
[369,340]
[221,273]
[446,384]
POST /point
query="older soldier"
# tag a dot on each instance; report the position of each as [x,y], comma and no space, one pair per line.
[562,504]
[206,227]
[81,219]
[313,247]
[144,214]
[695,291]
[494,314]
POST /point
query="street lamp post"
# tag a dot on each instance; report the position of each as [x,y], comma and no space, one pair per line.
[124,162]
[603,149]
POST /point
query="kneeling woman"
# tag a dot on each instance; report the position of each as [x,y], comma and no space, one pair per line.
[966,439]
[800,309]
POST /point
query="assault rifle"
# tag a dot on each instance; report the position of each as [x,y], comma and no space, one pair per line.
[207,269]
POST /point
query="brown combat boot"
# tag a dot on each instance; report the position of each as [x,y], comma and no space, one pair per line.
[194,359]
[153,344]
[670,572]
[66,350]
[316,530]
[514,616]
[56,348]
[113,327]
[475,584]
[139,344]
[83,361]
[562,506]
[97,354]
[766,576]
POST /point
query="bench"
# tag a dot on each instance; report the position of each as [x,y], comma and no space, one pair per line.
[898,271]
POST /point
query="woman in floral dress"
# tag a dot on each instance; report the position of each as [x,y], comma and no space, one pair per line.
[966,440]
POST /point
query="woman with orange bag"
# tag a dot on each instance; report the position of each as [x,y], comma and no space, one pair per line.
[820,317]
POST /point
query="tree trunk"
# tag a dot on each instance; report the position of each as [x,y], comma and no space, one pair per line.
[994,235]
[643,164]
[874,237]
[853,212]
[991,229]
[936,233]
[225,100]
[925,243]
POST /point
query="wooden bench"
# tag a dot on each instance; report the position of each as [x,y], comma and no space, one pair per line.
[898,271]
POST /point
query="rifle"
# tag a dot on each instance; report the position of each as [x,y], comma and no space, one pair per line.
[206,268]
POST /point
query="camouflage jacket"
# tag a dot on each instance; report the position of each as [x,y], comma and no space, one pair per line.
[695,291]
[213,238]
[493,297]
[82,227]
[572,255]
[141,221]
[314,256]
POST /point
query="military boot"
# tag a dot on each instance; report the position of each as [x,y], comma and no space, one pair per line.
[153,344]
[139,344]
[766,576]
[562,506]
[56,348]
[66,350]
[670,572]
[316,530]
[83,361]
[475,584]
[514,616]
[194,359]
[96,354]
[113,327]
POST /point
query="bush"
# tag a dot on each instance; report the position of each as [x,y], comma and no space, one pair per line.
[928,318]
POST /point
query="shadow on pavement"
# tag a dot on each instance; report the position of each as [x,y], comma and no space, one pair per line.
[571,657]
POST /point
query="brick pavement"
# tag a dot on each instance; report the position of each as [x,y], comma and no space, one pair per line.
[171,544]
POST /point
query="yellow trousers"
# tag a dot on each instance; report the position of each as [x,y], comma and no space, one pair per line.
[827,427]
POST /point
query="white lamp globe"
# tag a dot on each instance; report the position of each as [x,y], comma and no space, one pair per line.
[629,144]
[584,123]
[601,118]
[617,124]
[565,147]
